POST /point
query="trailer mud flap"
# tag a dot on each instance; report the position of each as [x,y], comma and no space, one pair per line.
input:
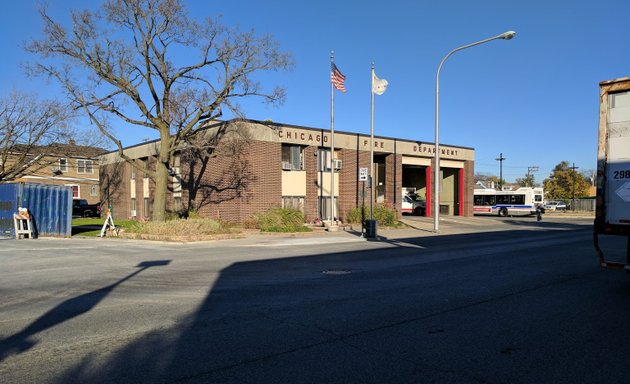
[611,264]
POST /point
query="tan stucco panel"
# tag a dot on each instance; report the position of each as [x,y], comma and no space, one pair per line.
[324,182]
[293,183]
[411,160]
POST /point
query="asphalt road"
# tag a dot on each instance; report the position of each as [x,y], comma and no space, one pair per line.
[487,301]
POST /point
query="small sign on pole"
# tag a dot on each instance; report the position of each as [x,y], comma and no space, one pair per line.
[363,174]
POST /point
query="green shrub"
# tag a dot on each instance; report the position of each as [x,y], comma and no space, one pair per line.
[385,216]
[354,215]
[281,220]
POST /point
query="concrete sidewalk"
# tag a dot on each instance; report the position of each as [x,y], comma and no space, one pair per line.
[450,225]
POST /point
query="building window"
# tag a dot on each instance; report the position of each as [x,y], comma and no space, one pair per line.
[63,165]
[84,166]
[324,160]
[75,191]
[293,202]
[177,182]
[94,190]
[292,157]
[145,167]
[146,207]
[324,207]
[133,207]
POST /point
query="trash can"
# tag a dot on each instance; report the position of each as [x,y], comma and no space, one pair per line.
[370,228]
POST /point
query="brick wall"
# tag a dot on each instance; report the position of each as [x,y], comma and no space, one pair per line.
[115,189]
[233,188]
[393,186]
[350,188]
[469,185]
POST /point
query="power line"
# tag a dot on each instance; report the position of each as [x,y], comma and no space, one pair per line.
[505,166]
[533,168]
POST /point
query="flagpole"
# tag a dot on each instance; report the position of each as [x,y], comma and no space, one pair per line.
[332,146]
[372,145]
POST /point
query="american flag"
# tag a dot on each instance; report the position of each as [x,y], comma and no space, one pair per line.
[337,78]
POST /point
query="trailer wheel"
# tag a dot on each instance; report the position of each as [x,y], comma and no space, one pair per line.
[503,212]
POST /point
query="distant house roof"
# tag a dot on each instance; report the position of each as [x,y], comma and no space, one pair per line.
[64,150]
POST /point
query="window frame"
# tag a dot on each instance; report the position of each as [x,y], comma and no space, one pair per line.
[63,167]
[146,206]
[76,190]
[87,164]
[294,202]
[292,154]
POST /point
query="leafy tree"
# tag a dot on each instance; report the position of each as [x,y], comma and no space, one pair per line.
[27,127]
[527,181]
[565,183]
[148,65]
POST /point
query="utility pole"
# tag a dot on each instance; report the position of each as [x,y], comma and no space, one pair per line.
[533,168]
[573,189]
[500,160]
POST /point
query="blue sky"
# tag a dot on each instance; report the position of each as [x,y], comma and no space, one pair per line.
[534,98]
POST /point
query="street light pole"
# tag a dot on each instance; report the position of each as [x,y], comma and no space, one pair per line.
[573,192]
[436,182]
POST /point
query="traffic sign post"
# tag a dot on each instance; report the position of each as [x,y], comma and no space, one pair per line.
[363,174]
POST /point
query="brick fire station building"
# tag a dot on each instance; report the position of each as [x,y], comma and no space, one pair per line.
[235,169]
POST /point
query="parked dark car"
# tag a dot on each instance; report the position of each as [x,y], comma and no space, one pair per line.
[80,207]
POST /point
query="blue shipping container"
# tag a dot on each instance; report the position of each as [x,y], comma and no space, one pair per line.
[50,207]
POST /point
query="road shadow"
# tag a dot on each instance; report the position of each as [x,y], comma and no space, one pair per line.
[68,309]
[530,221]
[255,298]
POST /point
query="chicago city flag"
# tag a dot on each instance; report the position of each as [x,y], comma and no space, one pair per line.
[379,86]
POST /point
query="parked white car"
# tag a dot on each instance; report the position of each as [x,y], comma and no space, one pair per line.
[411,206]
[555,206]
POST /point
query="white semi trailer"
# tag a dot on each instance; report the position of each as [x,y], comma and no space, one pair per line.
[612,212]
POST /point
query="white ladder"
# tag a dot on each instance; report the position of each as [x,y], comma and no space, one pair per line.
[23,225]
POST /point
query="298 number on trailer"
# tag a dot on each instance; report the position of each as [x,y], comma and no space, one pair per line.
[623,174]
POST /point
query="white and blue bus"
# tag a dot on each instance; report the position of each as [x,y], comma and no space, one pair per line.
[522,201]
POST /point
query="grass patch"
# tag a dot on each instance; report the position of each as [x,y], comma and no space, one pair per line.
[182,228]
[171,229]
[274,220]
[91,227]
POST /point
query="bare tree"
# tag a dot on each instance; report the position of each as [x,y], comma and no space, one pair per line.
[147,64]
[229,141]
[27,127]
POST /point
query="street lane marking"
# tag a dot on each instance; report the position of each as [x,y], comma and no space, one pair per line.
[17,249]
[292,242]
